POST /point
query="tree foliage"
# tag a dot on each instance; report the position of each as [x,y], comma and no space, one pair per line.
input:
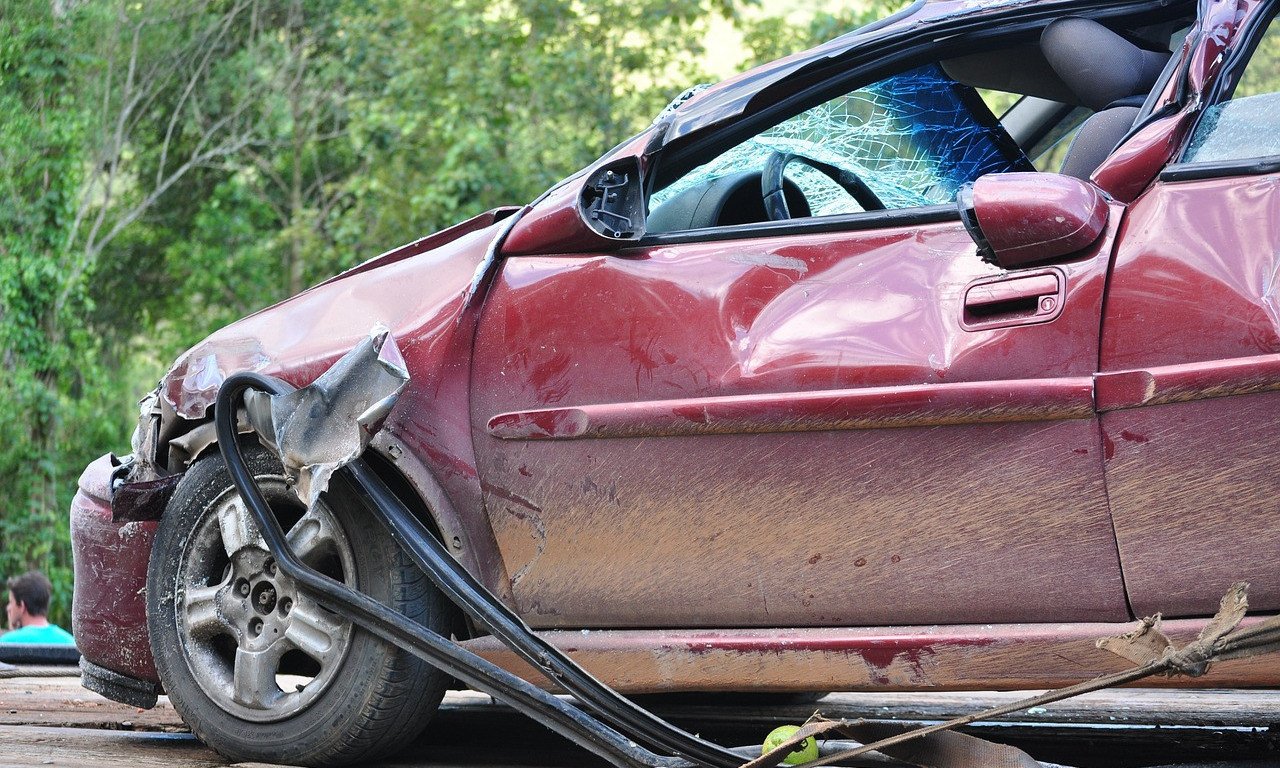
[480,103]
[772,37]
[168,166]
[47,356]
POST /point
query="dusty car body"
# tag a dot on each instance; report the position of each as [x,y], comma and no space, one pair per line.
[706,429]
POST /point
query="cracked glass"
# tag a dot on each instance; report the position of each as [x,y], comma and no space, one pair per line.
[914,139]
[1246,125]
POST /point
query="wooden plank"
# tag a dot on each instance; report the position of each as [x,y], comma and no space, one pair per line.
[61,701]
[1119,706]
[1141,706]
[36,746]
[53,721]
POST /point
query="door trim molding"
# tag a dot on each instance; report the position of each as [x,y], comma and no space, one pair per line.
[1182,383]
[922,405]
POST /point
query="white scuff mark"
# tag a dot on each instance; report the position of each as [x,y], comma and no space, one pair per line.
[770,260]
[741,339]
[1270,284]
[539,535]
[200,384]
[940,366]
[129,531]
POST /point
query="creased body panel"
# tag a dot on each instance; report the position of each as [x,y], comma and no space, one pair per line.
[727,388]
[427,300]
[1191,365]
[1197,276]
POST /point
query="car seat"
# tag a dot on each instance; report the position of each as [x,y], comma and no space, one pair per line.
[1108,74]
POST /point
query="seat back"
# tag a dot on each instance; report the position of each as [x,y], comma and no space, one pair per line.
[1109,75]
[1095,139]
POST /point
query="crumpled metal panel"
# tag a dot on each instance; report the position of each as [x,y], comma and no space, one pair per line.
[711,366]
[323,426]
[108,614]
[425,294]
[746,92]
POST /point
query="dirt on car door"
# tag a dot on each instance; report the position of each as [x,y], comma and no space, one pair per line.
[835,428]
[1191,353]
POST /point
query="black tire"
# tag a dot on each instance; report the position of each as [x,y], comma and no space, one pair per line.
[229,632]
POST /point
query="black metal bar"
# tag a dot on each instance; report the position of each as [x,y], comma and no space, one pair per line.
[471,596]
[556,714]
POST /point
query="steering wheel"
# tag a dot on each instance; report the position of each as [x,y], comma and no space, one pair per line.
[771,184]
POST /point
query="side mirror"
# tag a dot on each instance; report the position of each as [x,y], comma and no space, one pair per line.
[600,210]
[1019,219]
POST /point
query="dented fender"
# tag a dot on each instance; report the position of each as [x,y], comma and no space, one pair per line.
[428,293]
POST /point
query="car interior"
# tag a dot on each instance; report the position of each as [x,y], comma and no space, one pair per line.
[1064,70]
[1076,93]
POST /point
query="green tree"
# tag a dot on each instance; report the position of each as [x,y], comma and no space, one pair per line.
[44,366]
[470,104]
[166,167]
[772,37]
[110,110]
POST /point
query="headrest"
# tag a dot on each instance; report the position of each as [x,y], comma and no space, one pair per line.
[1098,65]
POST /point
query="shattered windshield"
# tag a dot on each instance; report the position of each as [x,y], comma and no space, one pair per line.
[913,138]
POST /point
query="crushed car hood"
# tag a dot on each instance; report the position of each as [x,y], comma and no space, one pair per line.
[417,291]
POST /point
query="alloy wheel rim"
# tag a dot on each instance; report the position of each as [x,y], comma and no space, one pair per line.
[257,646]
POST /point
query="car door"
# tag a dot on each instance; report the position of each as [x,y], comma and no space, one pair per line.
[1191,347]
[845,418]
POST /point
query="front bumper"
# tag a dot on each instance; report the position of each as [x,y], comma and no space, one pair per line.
[109,607]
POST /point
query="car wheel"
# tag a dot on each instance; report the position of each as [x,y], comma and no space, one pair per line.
[255,667]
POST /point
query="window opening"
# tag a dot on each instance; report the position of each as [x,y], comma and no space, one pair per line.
[1247,124]
[914,138]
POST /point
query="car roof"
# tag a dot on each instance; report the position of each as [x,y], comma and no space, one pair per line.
[757,88]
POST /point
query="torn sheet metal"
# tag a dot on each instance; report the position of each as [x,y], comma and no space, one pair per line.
[142,501]
[319,428]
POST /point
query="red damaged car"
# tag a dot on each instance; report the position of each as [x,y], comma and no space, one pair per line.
[830,379]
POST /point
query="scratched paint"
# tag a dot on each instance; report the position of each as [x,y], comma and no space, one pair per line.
[110,563]
[726,530]
[960,657]
[888,665]
[728,400]
[1190,346]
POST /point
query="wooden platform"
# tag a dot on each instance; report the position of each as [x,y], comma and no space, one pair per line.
[1127,706]
[52,721]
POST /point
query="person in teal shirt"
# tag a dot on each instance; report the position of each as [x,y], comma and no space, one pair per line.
[28,604]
